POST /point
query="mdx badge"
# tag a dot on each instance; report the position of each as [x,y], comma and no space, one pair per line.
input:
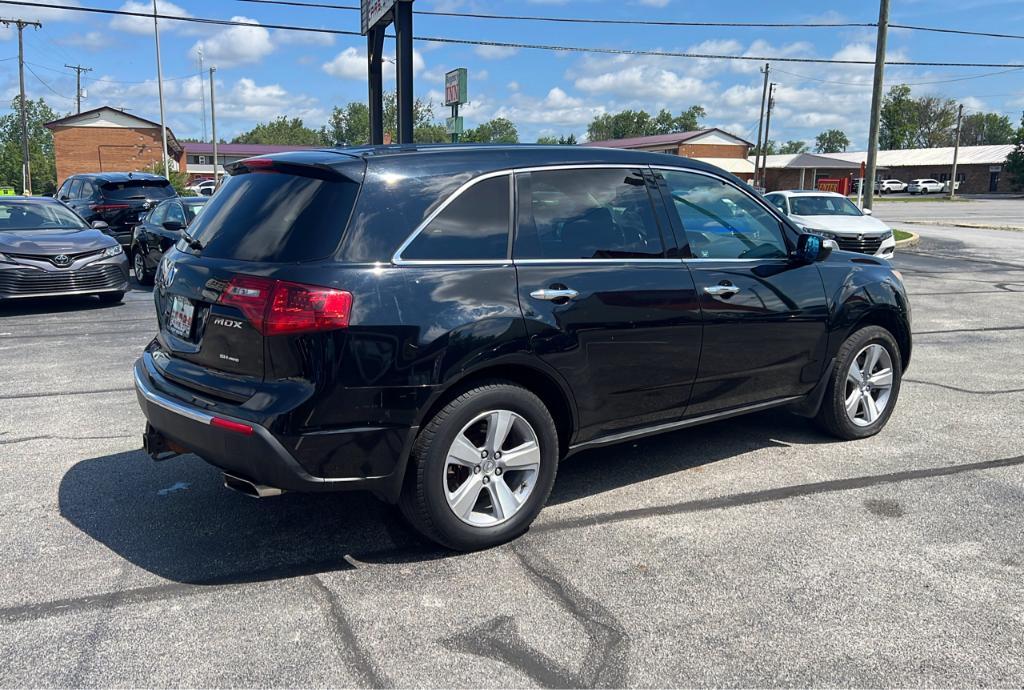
[227,323]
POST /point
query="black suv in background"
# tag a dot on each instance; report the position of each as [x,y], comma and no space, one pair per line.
[118,199]
[441,325]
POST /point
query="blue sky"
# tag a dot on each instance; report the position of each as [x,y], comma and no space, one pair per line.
[263,73]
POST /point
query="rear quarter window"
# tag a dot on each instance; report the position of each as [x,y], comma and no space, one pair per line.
[275,217]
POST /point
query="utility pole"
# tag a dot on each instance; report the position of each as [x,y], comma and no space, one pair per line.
[160,92]
[956,152]
[26,165]
[78,84]
[767,129]
[202,88]
[876,101]
[760,124]
[213,124]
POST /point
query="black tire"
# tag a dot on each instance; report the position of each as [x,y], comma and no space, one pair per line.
[423,501]
[111,297]
[832,416]
[143,275]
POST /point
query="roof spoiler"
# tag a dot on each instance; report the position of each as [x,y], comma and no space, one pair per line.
[297,165]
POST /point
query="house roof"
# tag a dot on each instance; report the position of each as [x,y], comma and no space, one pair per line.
[88,117]
[812,160]
[202,147]
[660,139]
[898,158]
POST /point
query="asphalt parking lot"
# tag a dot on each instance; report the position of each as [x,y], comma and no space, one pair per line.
[751,552]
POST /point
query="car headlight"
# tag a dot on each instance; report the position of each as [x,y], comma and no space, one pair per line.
[886,235]
[113,251]
[820,233]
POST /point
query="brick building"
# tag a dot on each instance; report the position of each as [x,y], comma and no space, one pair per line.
[714,146]
[979,168]
[106,139]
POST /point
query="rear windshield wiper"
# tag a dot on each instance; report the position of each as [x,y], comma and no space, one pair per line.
[192,242]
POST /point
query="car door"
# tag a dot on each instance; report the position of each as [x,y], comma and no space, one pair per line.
[605,302]
[765,315]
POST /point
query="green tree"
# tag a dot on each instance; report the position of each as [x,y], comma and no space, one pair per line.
[640,123]
[547,140]
[350,124]
[831,141]
[551,140]
[567,141]
[1014,167]
[500,130]
[793,146]
[898,123]
[40,147]
[282,132]
[986,129]
[770,148]
[936,121]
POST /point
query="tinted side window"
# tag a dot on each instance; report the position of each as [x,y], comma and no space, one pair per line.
[175,213]
[76,190]
[62,193]
[87,189]
[473,226]
[602,213]
[720,221]
[158,215]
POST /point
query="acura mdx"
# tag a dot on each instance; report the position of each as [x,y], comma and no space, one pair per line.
[441,325]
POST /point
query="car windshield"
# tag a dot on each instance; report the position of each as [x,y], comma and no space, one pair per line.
[823,206]
[37,215]
[192,208]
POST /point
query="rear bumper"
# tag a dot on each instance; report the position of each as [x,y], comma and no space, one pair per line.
[259,457]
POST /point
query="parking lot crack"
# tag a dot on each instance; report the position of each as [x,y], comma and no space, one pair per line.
[356,656]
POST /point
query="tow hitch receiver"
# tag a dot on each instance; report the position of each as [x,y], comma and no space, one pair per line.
[158,446]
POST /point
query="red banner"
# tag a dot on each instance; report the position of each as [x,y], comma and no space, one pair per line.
[840,185]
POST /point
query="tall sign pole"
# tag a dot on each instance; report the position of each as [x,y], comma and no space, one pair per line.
[403,62]
[455,94]
[876,100]
[760,124]
[956,153]
[767,129]
[375,80]
[26,165]
[160,93]
[374,16]
[213,122]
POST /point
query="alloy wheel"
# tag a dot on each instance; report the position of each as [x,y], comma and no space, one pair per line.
[491,468]
[140,266]
[868,385]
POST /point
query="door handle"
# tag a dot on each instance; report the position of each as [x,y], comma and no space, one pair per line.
[552,294]
[721,290]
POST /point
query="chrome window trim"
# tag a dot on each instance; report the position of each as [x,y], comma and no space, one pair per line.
[534,262]
[397,259]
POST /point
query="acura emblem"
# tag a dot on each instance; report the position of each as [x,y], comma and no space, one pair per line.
[62,260]
[860,238]
[169,270]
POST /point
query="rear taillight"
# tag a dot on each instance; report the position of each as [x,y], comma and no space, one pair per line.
[277,307]
[100,208]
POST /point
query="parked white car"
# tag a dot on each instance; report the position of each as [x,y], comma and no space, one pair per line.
[835,217]
[925,186]
[885,186]
[204,188]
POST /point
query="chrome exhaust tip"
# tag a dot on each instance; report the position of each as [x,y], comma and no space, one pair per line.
[251,489]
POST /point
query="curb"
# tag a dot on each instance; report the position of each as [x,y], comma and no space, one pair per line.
[911,241]
[972,226]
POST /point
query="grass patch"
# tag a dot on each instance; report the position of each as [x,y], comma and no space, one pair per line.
[901,235]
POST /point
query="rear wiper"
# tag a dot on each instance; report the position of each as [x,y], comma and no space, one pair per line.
[192,242]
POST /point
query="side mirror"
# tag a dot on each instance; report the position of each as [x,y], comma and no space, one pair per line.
[811,248]
[100,225]
[866,211]
[173,225]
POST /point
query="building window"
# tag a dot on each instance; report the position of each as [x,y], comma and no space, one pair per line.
[202,160]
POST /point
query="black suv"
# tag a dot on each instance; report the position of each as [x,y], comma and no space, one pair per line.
[441,325]
[116,198]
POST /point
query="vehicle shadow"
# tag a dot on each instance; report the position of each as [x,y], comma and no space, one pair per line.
[176,520]
[32,306]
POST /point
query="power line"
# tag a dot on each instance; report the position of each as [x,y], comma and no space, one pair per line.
[964,32]
[904,83]
[55,92]
[106,81]
[504,44]
[579,20]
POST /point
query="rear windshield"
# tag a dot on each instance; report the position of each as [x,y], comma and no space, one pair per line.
[274,217]
[138,189]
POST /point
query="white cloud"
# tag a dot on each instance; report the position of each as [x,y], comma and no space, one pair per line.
[305,38]
[93,41]
[144,25]
[236,45]
[495,52]
[352,63]
[654,3]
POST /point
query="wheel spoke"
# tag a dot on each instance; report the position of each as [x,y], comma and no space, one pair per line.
[465,497]
[853,403]
[505,502]
[499,424]
[870,408]
[522,457]
[881,379]
[871,358]
[463,452]
[854,375]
